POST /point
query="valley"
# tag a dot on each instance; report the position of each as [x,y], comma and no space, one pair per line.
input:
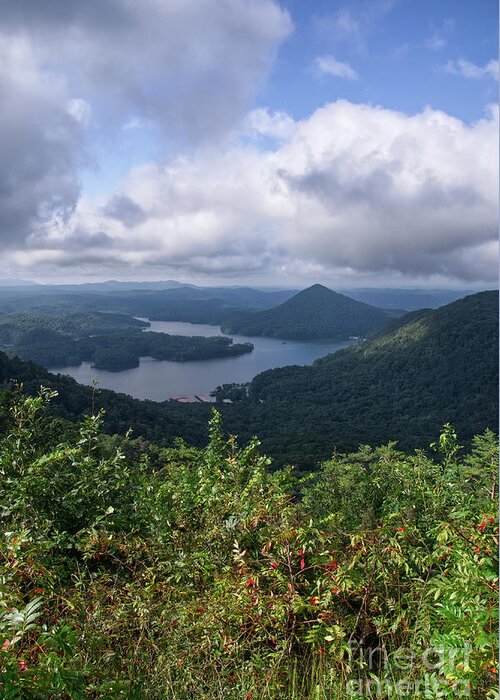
[302,398]
[97,333]
[161,379]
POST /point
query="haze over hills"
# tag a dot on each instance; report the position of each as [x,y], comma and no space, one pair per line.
[117,285]
[177,303]
[408,299]
[314,313]
[14,282]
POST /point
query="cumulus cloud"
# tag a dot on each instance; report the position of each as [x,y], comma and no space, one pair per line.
[328,65]
[190,67]
[352,187]
[274,125]
[470,70]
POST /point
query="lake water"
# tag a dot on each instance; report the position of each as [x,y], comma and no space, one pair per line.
[160,379]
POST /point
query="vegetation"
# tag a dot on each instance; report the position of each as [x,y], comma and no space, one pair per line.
[435,366]
[315,313]
[133,571]
[155,567]
[13,327]
[121,351]
[430,367]
[182,303]
[159,422]
[110,341]
[230,392]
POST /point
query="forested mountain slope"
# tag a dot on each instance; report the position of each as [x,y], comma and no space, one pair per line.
[434,367]
[132,571]
[315,313]
[74,325]
[160,422]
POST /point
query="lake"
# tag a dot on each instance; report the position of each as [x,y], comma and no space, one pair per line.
[160,379]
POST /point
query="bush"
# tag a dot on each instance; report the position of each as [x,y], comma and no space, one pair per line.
[138,572]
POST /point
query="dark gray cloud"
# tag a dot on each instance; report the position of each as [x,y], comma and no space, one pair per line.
[40,146]
[34,15]
[124,209]
[81,240]
[189,67]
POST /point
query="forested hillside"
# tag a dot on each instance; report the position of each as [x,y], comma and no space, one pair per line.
[314,313]
[13,327]
[432,367]
[160,422]
[120,350]
[150,568]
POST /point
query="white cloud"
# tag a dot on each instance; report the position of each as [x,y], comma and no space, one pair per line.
[328,65]
[439,35]
[343,22]
[436,42]
[80,110]
[276,125]
[351,188]
[470,70]
[135,123]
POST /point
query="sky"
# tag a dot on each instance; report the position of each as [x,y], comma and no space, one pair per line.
[352,143]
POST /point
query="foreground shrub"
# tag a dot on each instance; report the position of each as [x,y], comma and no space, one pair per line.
[136,572]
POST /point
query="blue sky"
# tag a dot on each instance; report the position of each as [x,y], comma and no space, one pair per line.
[399,49]
[256,141]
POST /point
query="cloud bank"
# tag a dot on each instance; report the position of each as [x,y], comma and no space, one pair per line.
[353,187]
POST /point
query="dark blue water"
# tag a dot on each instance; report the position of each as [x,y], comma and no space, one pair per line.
[160,379]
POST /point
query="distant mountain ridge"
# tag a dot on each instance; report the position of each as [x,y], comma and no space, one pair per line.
[409,299]
[316,313]
[178,303]
[14,282]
